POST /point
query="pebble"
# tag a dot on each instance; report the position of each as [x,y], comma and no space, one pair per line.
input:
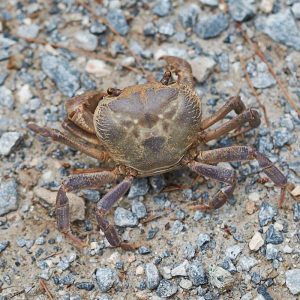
[157,183]
[66,78]
[185,284]
[180,270]
[256,242]
[139,270]
[88,286]
[177,227]
[189,251]
[124,218]
[266,213]
[118,21]
[166,28]
[212,3]
[202,239]
[188,16]
[202,67]
[8,196]
[247,262]
[8,141]
[263,80]
[152,276]
[287,249]
[196,273]
[86,40]
[3,245]
[220,278]
[162,8]
[28,31]
[296,191]
[271,252]
[251,207]
[149,29]
[6,98]
[152,233]
[144,250]
[97,28]
[228,265]
[233,252]
[281,137]
[266,6]
[296,211]
[105,278]
[273,236]
[166,289]
[241,10]
[281,27]
[140,187]
[98,68]
[139,209]
[293,281]
[211,26]
[296,10]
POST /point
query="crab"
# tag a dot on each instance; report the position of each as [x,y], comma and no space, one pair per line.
[151,129]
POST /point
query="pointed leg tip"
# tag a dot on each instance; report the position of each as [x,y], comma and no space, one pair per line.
[130,246]
[39,130]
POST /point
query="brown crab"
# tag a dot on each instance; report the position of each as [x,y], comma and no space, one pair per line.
[150,129]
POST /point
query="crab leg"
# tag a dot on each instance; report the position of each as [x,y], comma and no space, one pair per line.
[234,103]
[60,137]
[250,116]
[103,207]
[241,153]
[220,174]
[72,183]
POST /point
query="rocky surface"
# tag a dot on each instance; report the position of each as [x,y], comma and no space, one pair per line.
[53,50]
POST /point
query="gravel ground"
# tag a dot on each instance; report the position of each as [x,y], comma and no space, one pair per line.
[248,249]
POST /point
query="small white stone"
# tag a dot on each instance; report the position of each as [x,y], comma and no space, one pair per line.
[202,67]
[254,197]
[256,242]
[296,191]
[266,6]
[139,270]
[186,284]
[287,249]
[86,40]
[296,10]
[98,67]
[24,94]
[278,226]
[93,245]
[166,272]
[293,281]
[180,270]
[114,258]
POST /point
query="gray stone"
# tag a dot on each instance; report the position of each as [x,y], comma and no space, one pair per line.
[293,281]
[8,141]
[118,21]
[211,26]
[152,276]
[263,80]
[228,265]
[281,27]
[266,213]
[149,29]
[59,70]
[162,8]
[97,28]
[241,10]
[6,98]
[8,196]
[271,252]
[287,122]
[296,10]
[139,209]
[180,270]
[221,278]
[281,137]
[213,3]
[3,245]
[202,67]
[166,289]
[202,239]
[273,236]
[140,187]
[233,251]
[196,273]
[177,227]
[296,211]
[124,218]
[166,28]
[105,278]
[86,40]
[188,15]
[247,262]
[223,60]
[157,182]
[189,251]
[6,42]
[28,31]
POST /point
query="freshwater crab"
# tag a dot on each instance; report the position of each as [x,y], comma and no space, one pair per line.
[146,130]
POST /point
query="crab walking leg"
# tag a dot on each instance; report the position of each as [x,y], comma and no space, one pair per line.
[250,116]
[103,207]
[60,137]
[240,153]
[220,174]
[234,103]
[181,68]
[72,183]
[80,133]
